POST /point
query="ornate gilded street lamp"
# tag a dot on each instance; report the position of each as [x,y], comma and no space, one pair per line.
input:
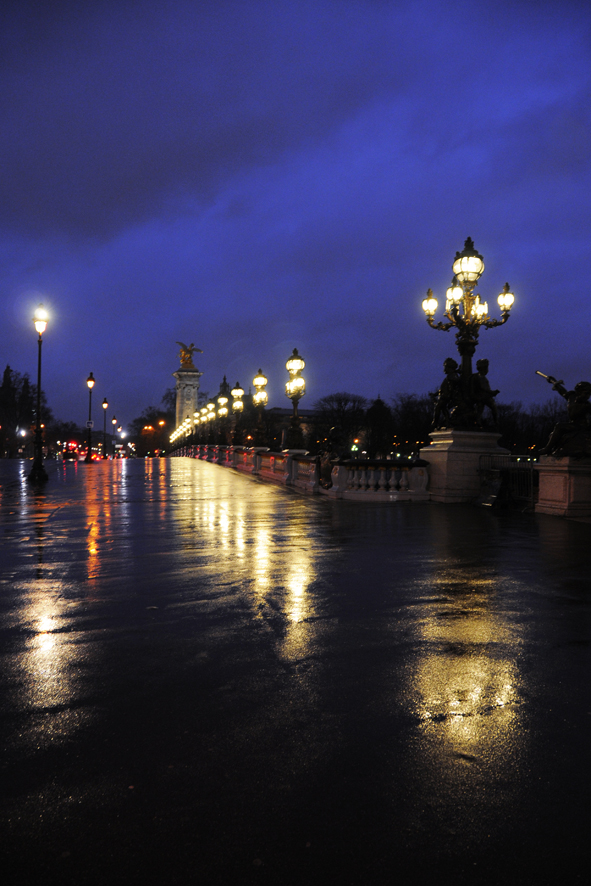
[38,473]
[295,390]
[296,386]
[463,308]
[105,407]
[90,382]
[467,314]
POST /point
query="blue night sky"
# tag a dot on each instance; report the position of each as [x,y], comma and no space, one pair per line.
[258,176]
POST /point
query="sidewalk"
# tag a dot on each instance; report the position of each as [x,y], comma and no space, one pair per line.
[210,680]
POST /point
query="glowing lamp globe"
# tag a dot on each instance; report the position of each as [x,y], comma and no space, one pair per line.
[295,363]
[295,387]
[260,380]
[40,319]
[506,298]
[468,265]
[455,293]
[261,398]
[429,304]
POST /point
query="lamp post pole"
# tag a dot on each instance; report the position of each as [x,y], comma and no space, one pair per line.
[114,422]
[38,473]
[90,382]
[105,407]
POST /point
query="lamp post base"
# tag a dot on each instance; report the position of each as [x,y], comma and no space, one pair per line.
[38,474]
[454,461]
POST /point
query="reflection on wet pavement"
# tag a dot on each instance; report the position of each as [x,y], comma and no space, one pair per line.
[287,679]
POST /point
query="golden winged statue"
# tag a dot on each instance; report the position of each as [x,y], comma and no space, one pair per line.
[186,355]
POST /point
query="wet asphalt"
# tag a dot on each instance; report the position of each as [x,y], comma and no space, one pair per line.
[207,679]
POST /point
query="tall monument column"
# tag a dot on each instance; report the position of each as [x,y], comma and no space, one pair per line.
[187,383]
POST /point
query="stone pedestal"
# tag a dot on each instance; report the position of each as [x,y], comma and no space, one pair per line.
[565,487]
[187,393]
[454,463]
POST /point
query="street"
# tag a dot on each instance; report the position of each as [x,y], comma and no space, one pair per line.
[207,679]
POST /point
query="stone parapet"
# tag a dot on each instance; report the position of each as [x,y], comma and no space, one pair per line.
[384,481]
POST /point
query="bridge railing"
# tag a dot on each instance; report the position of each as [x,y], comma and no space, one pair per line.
[387,480]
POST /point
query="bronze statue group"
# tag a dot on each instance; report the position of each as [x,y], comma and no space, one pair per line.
[460,404]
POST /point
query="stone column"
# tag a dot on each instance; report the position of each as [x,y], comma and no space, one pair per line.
[187,392]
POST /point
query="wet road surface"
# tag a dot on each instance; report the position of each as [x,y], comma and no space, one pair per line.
[206,679]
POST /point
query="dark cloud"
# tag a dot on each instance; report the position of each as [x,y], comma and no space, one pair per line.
[107,117]
[257,176]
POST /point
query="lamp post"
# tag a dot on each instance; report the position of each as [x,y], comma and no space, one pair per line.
[222,409]
[38,473]
[237,395]
[260,399]
[90,382]
[295,390]
[237,407]
[467,315]
[114,422]
[105,407]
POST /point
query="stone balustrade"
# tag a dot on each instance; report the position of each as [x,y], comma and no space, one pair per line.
[387,481]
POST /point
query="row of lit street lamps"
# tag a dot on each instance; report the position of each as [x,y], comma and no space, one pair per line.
[295,389]
[464,312]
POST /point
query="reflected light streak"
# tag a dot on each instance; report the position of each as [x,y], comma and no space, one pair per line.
[261,560]
[48,667]
[466,682]
[300,576]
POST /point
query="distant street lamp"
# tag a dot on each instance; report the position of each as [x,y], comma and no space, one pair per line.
[105,407]
[237,408]
[295,390]
[90,382]
[296,386]
[222,399]
[114,422]
[466,314]
[38,473]
[260,399]
[237,395]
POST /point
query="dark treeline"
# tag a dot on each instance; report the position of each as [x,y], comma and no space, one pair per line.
[151,430]
[18,418]
[350,424]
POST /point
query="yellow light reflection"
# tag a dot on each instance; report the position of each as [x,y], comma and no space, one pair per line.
[49,675]
[261,564]
[465,685]
[298,579]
